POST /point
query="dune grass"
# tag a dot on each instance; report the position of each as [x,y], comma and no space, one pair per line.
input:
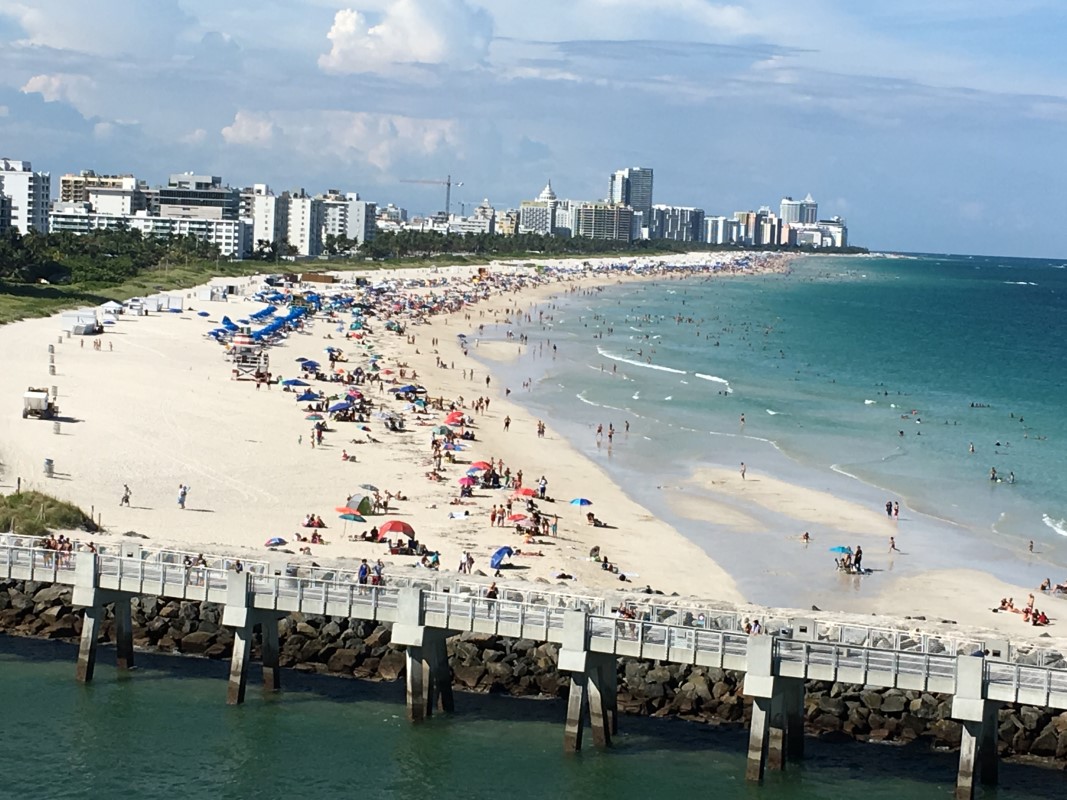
[35,514]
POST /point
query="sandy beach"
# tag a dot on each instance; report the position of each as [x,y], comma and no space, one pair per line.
[155,408]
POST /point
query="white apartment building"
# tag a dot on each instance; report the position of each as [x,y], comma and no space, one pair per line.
[269,214]
[348,216]
[232,237]
[603,221]
[677,223]
[28,193]
[304,231]
[119,196]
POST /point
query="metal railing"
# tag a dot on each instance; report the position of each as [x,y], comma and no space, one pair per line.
[867,659]
[474,610]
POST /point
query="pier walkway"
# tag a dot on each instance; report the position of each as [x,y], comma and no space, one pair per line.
[591,636]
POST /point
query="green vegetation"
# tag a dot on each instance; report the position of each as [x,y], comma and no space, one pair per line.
[41,274]
[35,514]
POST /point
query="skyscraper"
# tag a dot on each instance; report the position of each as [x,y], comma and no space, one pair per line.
[633,187]
[28,194]
[809,210]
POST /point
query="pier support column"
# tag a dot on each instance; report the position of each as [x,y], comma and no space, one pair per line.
[429,678]
[238,681]
[418,685]
[94,615]
[600,693]
[123,633]
[576,708]
[272,674]
[241,618]
[777,712]
[978,716]
[436,654]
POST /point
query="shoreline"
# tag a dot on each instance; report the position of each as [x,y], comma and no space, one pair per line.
[209,437]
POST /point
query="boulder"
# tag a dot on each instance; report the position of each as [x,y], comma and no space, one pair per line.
[197,643]
[893,704]
[379,638]
[343,660]
[871,699]
[468,675]
[56,594]
[392,665]
[1046,744]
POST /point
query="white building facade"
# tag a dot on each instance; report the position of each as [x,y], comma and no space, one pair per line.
[28,195]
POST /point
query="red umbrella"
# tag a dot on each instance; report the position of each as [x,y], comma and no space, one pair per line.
[516,517]
[481,465]
[525,491]
[395,526]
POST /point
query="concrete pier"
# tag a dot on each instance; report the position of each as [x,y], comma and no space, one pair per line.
[428,676]
[978,744]
[238,616]
[123,634]
[777,728]
[593,688]
[93,599]
[94,615]
[269,651]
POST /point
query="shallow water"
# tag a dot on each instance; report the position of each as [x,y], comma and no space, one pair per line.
[855,375]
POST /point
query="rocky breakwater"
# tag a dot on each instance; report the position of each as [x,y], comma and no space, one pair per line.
[493,664]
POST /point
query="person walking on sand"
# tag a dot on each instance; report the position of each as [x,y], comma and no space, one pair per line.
[889,508]
[893,545]
[896,510]
[125,501]
[183,492]
[744,469]
[507,423]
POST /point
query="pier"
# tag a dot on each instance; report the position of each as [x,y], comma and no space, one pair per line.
[425,612]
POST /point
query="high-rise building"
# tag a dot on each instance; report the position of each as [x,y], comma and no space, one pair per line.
[198,197]
[117,196]
[305,224]
[28,195]
[789,210]
[539,216]
[809,210]
[346,216]
[602,221]
[270,216]
[507,223]
[677,223]
[231,237]
[481,220]
[5,209]
[75,188]
[633,187]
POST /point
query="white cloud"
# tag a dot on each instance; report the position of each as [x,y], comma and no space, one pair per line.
[4,111]
[100,27]
[194,137]
[60,86]
[249,128]
[319,137]
[103,130]
[448,32]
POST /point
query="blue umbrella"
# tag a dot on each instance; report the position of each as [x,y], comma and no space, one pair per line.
[344,405]
[581,501]
[203,313]
[302,358]
[499,556]
[295,382]
[307,397]
[840,549]
[276,541]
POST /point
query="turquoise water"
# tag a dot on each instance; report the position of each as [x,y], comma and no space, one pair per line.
[164,732]
[855,375]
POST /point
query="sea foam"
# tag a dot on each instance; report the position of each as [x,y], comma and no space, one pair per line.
[1058,525]
[642,364]
[714,379]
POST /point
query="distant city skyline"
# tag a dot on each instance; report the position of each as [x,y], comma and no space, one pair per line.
[913,121]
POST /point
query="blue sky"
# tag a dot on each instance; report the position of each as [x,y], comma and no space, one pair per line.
[930,125]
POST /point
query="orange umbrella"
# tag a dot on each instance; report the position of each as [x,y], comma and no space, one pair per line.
[346,510]
[525,491]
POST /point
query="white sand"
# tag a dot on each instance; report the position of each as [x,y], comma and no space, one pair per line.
[161,410]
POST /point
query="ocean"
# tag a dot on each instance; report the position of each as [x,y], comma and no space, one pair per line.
[163,732]
[869,376]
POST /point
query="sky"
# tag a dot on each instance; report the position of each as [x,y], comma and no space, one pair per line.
[929,125]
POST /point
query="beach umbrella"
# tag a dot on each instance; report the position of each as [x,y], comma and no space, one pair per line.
[314,417]
[581,501]
[516,517]
[295,382]
[525,491]
[203,313]
[453,446]
[352,518]
[346,510]
[442,430]
[276,541]
[498,557]
[307,397]
[454,415]
[302,358]
[395,526]
[841,549]
[344,405]
[370,487]
[481,465]
[467,481]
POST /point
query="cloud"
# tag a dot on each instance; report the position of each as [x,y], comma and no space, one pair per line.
[60,86]
[101,27]
[249,128]
[445,32]
[197,136]
[327,136]
[4,111]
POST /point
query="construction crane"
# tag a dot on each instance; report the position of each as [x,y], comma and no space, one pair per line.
[448,183]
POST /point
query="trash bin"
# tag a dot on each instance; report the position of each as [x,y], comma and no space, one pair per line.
[51,349]
[49,468]
[55,427]
[51,369]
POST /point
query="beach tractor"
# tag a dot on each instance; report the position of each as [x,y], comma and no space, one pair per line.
[38,403]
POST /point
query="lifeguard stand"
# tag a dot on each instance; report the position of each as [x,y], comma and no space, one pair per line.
[250,360]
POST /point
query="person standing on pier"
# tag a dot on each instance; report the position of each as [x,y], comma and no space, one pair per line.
[125,501]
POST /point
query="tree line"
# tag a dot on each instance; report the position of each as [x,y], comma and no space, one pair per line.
[116,255]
